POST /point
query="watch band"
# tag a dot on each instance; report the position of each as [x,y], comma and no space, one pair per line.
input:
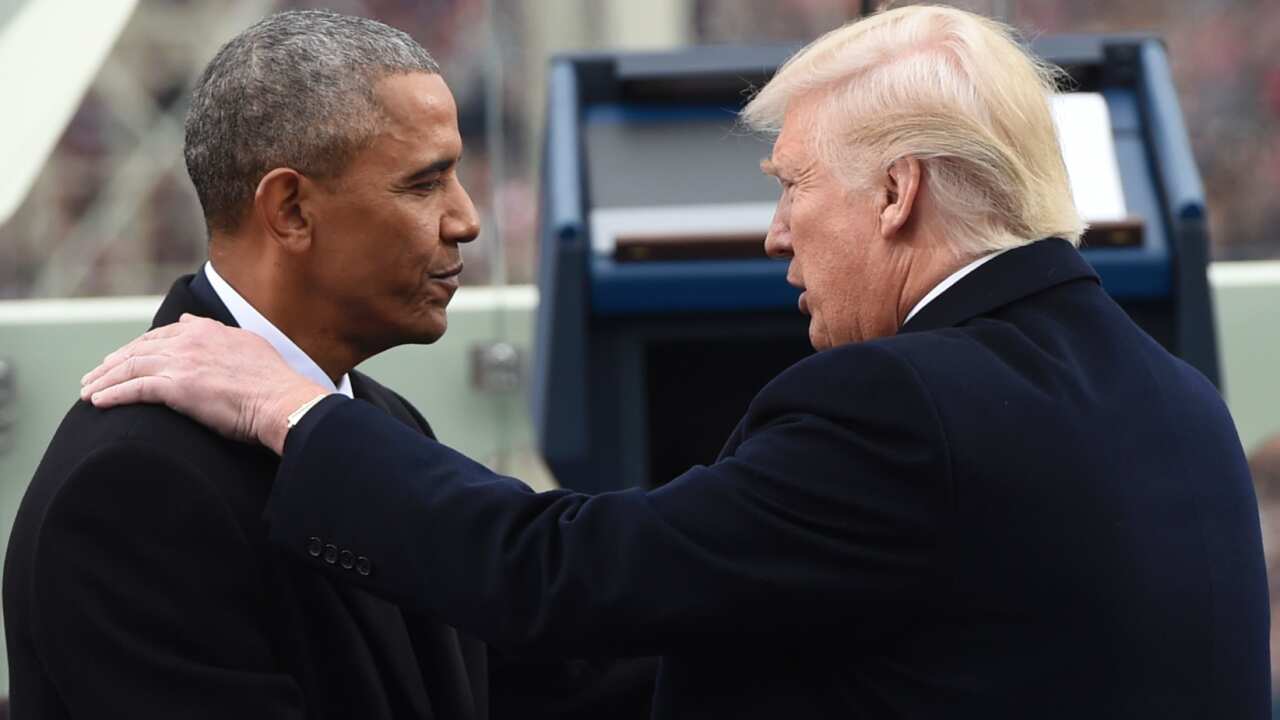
[295,417]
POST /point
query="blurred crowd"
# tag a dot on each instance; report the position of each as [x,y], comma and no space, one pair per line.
[1227,71]
[113,212]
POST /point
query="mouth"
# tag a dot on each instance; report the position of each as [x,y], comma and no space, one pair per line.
[803,302]
[448,273]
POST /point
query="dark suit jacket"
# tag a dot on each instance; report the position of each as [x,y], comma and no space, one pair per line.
[1020,506]
[139,583]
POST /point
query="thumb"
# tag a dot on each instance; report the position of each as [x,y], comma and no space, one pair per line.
[188,317]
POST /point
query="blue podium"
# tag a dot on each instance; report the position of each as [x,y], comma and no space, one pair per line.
[660,317]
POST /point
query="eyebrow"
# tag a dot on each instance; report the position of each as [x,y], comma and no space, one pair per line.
[767,167]
[434,168]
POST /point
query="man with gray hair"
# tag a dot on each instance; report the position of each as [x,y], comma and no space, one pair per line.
[990,495]
[139,582]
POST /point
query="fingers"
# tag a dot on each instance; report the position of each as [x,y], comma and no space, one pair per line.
[92,375]
[130,368]
[146,389]
[162,332]
[217,375]
[109,362]
[149,343]
[139,347]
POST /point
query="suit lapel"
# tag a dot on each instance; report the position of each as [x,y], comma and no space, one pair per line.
[1012,276]
[192,294]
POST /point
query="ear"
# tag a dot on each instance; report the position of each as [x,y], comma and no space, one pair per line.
[901,187]
[281,203]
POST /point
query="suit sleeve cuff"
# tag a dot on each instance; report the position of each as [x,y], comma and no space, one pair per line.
[295,444]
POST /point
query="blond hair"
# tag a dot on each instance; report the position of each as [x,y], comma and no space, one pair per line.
[955,91]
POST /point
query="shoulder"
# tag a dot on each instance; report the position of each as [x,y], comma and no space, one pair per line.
[983,350]
[87,435]
[152,427]
[865,387]
[865,372]
[124,466]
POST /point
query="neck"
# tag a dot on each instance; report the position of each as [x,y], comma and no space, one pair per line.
[278,296]
[926,269]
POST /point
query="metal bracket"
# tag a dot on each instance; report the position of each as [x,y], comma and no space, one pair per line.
[496,367]
[8,405]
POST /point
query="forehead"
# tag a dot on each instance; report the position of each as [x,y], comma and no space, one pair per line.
[420,118]
[411,97]
[793,145]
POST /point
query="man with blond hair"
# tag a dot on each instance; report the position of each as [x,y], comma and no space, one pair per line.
[989,495]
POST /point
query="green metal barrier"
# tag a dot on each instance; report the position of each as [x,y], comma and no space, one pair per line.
[1247,306]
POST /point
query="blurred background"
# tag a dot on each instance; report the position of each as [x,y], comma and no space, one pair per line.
[112,212]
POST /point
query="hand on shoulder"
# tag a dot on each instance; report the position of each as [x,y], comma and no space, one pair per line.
[226,378]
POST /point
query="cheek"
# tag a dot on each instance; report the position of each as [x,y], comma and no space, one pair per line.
[405,245]
[835,275]
[355,243]
[823,247]
[420,235]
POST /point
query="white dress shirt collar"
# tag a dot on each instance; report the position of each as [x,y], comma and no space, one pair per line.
[950,280]
[253,321]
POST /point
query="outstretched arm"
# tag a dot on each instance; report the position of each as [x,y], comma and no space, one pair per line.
[819,519]
[824,516]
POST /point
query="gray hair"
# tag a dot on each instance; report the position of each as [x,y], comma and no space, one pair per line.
[294,90]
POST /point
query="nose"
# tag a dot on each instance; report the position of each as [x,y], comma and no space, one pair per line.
[461,223]
[777,244]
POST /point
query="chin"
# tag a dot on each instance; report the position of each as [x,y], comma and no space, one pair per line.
[817,338]
[426,336]
[423,332]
